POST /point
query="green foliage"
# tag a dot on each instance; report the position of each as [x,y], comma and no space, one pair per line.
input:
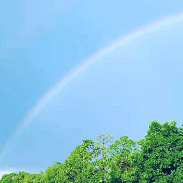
[121,159]
[8,178]
[52,173]
[162,152]
[79,166]
[157,158]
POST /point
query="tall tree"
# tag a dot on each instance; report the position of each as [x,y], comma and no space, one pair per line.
[103,164]
[79,166]
[162,153]
[121,159]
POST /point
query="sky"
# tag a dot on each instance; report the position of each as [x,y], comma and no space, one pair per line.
[119,94]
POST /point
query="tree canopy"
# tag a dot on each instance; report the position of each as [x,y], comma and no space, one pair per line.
[158,157]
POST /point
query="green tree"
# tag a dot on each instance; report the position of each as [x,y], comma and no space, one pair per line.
[8,178]
[103,163]
[156,158]
[40,178]
[121,162]
[21,177]
[78,167]
[52,174]
[161,153]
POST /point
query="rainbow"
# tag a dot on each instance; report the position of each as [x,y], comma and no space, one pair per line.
[85,64]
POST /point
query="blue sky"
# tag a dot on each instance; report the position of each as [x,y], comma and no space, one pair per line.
[119,94]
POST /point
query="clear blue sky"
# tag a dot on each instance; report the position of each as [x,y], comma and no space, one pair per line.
[41,41]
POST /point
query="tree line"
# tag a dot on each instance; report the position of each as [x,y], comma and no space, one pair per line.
[158,157]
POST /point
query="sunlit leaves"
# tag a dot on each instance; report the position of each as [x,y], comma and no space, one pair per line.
[156,158]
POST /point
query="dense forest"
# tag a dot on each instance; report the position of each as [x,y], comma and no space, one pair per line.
[156,158]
